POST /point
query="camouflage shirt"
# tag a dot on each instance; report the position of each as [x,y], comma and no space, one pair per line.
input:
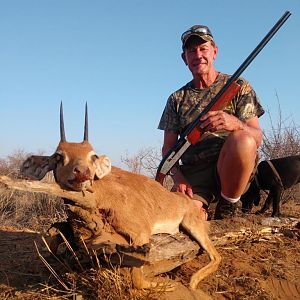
[184,105]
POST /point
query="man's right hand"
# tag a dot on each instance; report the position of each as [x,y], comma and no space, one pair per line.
[181,185]
[185,188]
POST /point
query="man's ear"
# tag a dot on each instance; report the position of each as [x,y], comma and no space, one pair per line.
[216,51]
[183,58]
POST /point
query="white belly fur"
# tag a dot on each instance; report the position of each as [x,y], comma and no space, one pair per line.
[167,226]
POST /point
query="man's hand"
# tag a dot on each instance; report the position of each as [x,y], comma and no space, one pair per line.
[220,120]
[185,188]
[181,185]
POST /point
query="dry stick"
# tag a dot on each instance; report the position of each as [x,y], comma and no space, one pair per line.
[60,261]
[47,288]
[50,268]
[97,259]
[87,251]
[87,200]
[71,250]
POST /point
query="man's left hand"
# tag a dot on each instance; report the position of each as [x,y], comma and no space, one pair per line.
[220,120]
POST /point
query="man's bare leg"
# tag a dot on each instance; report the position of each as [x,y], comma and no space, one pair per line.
[235,165]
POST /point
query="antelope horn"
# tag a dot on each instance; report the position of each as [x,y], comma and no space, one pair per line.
[62,126]
[86,125]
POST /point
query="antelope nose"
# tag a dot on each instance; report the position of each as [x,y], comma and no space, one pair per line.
[81,175]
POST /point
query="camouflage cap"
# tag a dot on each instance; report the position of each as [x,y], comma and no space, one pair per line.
[197,30]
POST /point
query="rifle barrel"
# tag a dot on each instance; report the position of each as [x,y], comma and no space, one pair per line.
[261,45]
[240,70]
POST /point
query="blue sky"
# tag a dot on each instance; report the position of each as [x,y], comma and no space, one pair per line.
[123,58]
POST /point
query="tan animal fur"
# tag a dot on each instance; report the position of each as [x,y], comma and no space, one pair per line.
[139,206]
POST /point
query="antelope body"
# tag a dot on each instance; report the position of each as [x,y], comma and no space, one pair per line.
[139,207]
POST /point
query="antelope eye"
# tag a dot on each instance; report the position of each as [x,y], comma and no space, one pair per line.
[59,157]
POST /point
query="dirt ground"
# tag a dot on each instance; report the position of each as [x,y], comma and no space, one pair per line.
[264,268]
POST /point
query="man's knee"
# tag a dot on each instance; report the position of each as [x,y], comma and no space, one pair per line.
[241,142]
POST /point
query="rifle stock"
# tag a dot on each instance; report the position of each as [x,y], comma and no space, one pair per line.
[193,133]
[226,97]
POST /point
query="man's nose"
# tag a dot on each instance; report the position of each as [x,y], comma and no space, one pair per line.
[198,52]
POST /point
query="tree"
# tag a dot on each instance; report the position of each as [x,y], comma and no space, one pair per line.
[145,161]
[283,139]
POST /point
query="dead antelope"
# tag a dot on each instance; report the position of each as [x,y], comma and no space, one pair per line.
[139,206]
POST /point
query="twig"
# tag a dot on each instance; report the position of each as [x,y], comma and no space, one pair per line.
[71,250]
[61,262]
[50,268]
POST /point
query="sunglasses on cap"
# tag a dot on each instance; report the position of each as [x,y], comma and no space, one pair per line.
[198,29]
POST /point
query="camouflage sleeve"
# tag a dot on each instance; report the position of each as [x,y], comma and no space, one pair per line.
[247,104]
[170,120]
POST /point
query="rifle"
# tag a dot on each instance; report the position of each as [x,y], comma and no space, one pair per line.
[193,132]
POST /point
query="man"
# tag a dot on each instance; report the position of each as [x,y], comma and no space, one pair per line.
[221,163]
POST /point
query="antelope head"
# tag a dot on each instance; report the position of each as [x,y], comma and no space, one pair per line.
[75,165]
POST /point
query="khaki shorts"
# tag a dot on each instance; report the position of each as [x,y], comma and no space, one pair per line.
[205,180]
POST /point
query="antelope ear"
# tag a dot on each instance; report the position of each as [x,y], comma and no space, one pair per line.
[36,167]
[103,166]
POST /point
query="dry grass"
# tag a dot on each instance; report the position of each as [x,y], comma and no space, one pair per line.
[34,211]
[37,212]
[95,281]
[61,278]
[30,210]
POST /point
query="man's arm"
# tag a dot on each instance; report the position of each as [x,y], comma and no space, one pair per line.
[180,183]
[220,120]
[253,128]
[170,138]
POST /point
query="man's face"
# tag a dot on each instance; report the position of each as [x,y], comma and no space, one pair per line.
[199,56]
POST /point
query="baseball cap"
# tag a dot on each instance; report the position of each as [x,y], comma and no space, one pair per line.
[197,30]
